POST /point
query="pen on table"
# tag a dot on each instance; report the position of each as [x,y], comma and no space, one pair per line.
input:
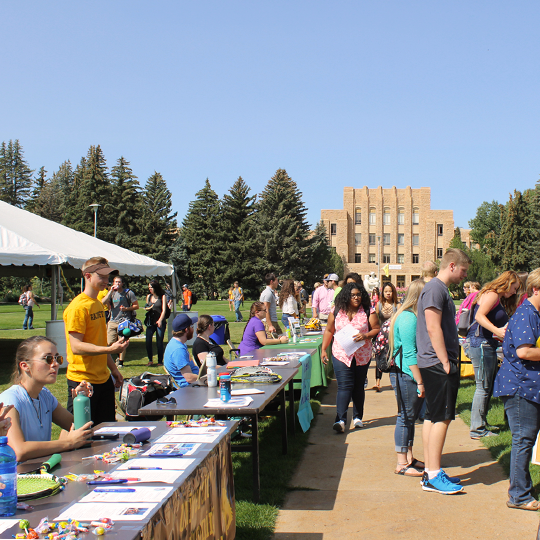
[105,482]
[145,469]
[165,455]
[114,490]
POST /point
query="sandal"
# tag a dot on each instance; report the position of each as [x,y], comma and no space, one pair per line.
[417,464]
[533,505]
[409,470]
[150,364]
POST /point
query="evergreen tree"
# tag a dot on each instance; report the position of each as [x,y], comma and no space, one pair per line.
[324,258]
[456,241]
[283,229]
[15,175]
[200,232]
[157,223]
[238,259]
[486,227]
[39,184]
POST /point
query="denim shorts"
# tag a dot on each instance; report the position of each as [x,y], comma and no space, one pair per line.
[441,392]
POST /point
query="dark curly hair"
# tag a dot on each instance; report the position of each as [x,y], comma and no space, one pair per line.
[344,297]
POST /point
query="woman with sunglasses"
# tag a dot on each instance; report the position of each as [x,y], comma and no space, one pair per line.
[35,408]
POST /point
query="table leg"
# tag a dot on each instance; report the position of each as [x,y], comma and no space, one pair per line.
[283,422]
[255,457]
[291,407]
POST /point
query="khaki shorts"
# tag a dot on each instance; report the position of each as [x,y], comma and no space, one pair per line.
[275,324]
[112,337]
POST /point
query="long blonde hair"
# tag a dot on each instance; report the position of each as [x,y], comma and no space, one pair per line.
[409,304]
[501,285]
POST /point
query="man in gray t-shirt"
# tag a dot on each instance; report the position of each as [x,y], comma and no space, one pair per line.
[437,356]
[268,298]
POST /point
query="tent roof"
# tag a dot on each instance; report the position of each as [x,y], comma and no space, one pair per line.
[27,239]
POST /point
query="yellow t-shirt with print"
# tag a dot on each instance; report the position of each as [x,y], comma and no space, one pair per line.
[86,316]
[101,295]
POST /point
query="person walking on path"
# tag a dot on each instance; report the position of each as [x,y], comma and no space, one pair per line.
[28,323]
[238,296]
[268,298]
[353,308]
[437,357]
[495,303]
[408,385]
[518,385]
[89,356]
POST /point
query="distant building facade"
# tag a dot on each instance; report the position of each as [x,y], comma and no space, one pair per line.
[396,225]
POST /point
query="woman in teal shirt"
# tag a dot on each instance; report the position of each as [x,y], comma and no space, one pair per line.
[408,385]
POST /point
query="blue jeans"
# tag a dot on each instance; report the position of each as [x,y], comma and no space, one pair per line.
[237,310]
[160,334]
[350,381]
[524,421]
[484,361]
[28,318]
[409,405]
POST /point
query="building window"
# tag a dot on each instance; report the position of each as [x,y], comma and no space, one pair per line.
[415,216]
[386,258]
[358,217]
[401,216]
[372,257]
[386,216]
[371,239]
[333,229]
[357,257]
[386,239]
[401,258]
[357,239]
[386,279]
[415,239]
[415,258]
[439,253]
[400,281]
[401,239]
[439,230]
[372,216]
[414,278]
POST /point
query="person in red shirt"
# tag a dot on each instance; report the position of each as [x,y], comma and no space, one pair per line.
[186,294]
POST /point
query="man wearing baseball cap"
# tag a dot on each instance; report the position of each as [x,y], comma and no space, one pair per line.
[89,358]
[320,303]
[333,284]
[177,361]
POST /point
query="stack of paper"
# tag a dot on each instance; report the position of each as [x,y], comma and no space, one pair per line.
[233,403]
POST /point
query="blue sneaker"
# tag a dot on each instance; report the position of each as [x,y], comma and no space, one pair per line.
[453,479]
[441,485]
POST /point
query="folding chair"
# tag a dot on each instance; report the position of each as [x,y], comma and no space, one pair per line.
[232,350]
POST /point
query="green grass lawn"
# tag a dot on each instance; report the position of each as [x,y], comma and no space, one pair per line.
[254,521]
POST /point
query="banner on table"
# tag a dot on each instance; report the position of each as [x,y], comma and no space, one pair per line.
[305,414]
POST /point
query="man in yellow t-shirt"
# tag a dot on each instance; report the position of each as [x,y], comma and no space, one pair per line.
[89,357]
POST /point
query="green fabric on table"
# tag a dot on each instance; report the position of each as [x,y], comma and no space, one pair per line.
[319,372]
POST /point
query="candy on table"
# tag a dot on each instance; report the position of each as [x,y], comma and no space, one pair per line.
[202,422]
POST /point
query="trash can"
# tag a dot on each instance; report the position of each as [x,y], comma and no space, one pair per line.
[221,330]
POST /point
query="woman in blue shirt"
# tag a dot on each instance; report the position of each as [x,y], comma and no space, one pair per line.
[409,387]
[518,385]
[35,408]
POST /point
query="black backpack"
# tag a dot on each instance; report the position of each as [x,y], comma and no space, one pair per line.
[381,345]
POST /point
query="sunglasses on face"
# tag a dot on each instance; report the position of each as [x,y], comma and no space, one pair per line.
[50,358]
[165,400]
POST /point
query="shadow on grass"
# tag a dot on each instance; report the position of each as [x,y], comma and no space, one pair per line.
[256,521]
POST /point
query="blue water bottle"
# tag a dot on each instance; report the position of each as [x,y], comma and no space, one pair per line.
[225,387]
[8,477]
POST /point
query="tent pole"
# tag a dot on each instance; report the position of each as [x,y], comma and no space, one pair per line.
[53,292]
[173,281]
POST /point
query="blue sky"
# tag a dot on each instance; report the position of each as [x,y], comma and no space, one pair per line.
[350,93]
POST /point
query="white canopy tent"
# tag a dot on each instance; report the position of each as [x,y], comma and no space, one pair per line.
[34,246]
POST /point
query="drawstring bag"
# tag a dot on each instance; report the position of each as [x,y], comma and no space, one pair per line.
[259,375]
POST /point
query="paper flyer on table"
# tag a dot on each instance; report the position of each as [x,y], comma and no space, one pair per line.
[120,429]
[233,403]
[148,494]
[246,391]
[167,477]
[6,524]
[176,464]
[174,448]
[115,511]
[345,338]
[190,438]
[195,430]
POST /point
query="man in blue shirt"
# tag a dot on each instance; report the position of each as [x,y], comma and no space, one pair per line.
[176,361]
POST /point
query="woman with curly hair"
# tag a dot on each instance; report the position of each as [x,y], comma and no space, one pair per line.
[288,302]
[352,308]
[494,305]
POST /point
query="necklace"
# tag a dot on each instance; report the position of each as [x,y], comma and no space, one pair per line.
[37,409]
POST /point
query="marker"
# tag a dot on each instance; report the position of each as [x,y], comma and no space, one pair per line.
[114,490]
[105,482]
[145,469]
[165,455]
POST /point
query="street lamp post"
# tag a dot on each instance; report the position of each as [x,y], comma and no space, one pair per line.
[95,207]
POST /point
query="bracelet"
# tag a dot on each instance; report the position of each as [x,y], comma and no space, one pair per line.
[420,384]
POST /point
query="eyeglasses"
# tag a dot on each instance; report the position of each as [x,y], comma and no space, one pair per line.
[50,358]
[359,296]
[165,400]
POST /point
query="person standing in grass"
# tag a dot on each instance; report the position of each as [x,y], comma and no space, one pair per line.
[438,352]
[518,385]
[238,296]
[28,323]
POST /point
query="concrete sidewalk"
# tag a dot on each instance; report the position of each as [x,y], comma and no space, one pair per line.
[351,491]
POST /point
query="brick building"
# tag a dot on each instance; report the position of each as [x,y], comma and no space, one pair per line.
[396,224]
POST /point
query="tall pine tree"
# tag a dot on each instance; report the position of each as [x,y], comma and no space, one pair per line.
[283,229]
[324,258]
[201,234]
[238,255]
[15,175]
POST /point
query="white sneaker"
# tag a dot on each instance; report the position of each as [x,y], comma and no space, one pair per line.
[339,426]
[358,424]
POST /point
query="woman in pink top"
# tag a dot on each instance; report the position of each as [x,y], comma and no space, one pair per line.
[352,308]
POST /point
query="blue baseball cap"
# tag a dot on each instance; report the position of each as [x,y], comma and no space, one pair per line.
[183,321]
